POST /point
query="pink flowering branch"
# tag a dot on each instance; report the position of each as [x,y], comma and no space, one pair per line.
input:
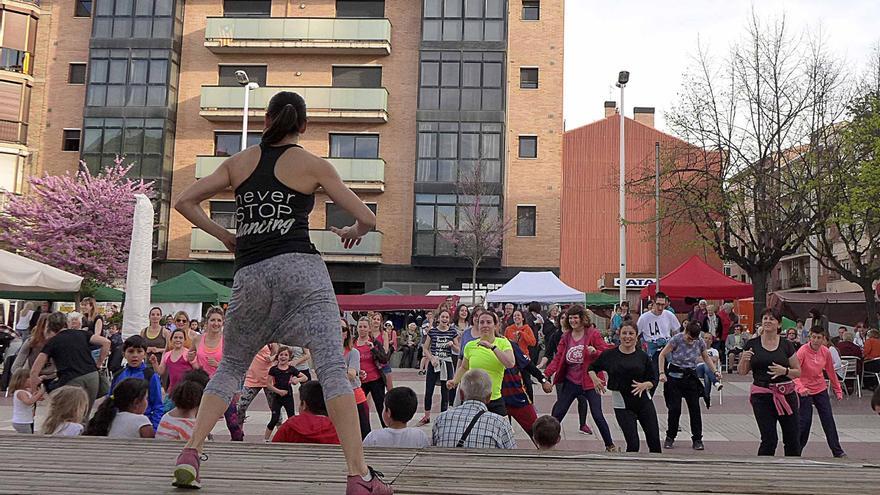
[79,222]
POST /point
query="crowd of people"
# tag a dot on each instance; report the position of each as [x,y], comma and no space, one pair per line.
[484,361]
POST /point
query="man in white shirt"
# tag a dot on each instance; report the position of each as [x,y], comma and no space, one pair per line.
[657,326]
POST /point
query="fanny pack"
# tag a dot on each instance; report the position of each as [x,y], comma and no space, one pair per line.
[783,388]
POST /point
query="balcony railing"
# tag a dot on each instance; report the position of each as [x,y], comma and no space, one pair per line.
[360,174]
[12,131]
[16,61]
[298,35]
[325,103]
[205,246]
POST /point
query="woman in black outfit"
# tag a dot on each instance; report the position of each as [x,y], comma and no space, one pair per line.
[773,364]
[631,377]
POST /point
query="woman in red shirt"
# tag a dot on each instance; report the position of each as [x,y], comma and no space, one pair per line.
[372,380]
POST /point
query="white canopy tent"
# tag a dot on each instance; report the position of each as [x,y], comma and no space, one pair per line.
[18,273]
[543,287]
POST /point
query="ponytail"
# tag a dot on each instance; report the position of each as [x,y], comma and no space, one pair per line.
[124,396]
[287,114]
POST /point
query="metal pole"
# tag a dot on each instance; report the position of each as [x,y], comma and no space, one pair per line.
[622,200]
[657,207]
[244,119]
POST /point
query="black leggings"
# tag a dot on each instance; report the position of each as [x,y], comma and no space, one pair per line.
[364,419]
[767,417]
[447,396]
[376,388]
[277,403]
[643,412]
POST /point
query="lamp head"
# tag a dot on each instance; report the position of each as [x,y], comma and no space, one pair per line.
[623,77]
[242,77]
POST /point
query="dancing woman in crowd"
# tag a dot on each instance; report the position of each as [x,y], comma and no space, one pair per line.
[282,377]
[353,370]
[490,353]
[156,336]
[383,333]
[280,278]
[372,380]
[577,349]
[815,358]
[31,348]
[464,328]
[685,352]
[631,378]
[175,361]
[439,349]
[773,364]
[256,379]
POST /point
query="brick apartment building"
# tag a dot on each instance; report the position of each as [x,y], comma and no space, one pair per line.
[402,94]
[590,230]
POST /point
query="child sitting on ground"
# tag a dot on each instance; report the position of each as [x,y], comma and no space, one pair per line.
[178,423]
[546,432]
[135,351]
[312,424]
[67,409]
[24,401]
[401,404]
[122,414]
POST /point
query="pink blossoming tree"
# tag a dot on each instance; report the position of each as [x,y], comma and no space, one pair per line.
[79,222]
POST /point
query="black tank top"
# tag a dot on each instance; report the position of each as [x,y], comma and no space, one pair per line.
[271,218]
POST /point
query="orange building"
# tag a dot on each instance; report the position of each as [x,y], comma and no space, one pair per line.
[589,257]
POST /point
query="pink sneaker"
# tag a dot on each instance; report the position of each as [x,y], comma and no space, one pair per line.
[376,486]
[186,472]
[586,430]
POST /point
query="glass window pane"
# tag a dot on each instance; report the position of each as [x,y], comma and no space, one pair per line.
[123,7]
[445,217]
[431,30]
[444,247]
[430,74]
[492,99]
[137,96]
[531,10]
[470,99]
[143,27]
[104,7]
[144,7]
[156,96]
[427,145]
[139,71]
[115,96]
[490,171]
[528,147]
[360,8]
[112,140]
[473,30]
[451,30]
[367,147]
[433,8]
[153,141]
[92,141]
[494,30]
[448,146]
[98,70]
[470,145]
[449,75]
[121,28]
[163,7]
[471,75]
[103,27]
[158,71]
[495,9]
[446,171]
[491,146]
[426,171]
[151,166]
[425,244]
[449,99]
[491,75]
[525,220]
[162,27]
[452,8]
[341,146]
[117,71]
[134,140]
[429,99]
[424,217]
[97,95]
[226,143]
[473,8]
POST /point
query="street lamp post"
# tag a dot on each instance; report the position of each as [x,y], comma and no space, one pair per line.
[622,79]
[242,78]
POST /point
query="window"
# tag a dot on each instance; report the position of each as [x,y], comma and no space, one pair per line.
[255,73]
[229,143]
[461,81]
[354,146]
[140,140]
[436,213]
[142,19]
[531,10]
[223,212]
[463,20]
[134,78]
[337,217]
[528,146]
[447,150]
[360,8]
[525,221]
[247,8]
[528,78]
[70,141]
[76,74]
[83,8]
[357,77]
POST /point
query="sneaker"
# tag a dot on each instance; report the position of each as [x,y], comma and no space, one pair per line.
[612,448]
[186,472]
[376,486]
[423,372]
[698,445]
[842,455]
[719,386]
[669,443]
[586,430]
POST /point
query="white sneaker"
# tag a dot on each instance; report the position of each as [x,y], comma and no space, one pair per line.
[718,386]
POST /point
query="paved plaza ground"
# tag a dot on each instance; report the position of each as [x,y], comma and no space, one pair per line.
[728,428]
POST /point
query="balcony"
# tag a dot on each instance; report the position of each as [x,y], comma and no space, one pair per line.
[325,103]
[205,246]
[360,174]
[12,131]
[299,35]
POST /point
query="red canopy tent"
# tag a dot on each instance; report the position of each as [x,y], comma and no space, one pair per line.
[695,278]
[371,302]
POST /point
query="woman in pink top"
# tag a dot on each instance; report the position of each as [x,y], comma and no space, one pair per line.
[256,379]
[175,361]
[816,358]
[206,355]
[372,380]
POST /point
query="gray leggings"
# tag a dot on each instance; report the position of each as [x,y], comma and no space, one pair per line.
[286,298]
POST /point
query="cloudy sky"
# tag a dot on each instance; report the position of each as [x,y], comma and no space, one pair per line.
[656,39]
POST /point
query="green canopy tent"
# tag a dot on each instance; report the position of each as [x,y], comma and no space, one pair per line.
[599,300]
[788,323]
[190,287]
[384,291]
[101,294]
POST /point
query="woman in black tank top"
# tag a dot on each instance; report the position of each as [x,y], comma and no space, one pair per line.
[277,271]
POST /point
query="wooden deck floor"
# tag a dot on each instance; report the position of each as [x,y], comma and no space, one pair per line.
[42,465]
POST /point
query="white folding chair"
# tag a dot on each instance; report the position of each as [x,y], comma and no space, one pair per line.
[851,373]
